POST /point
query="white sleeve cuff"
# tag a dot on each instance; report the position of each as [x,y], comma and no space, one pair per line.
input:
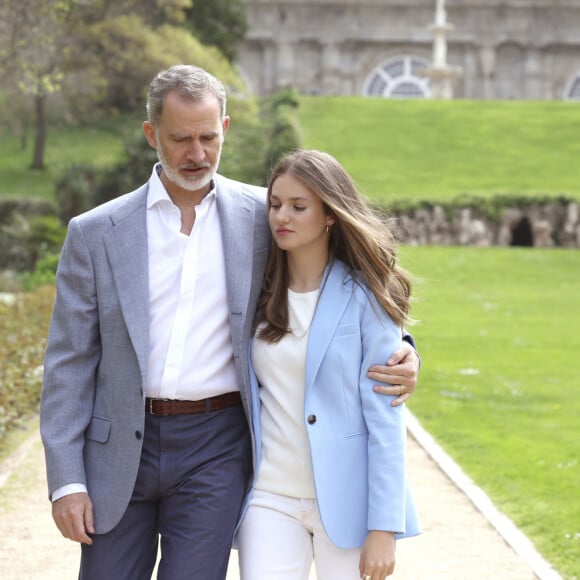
[68,490]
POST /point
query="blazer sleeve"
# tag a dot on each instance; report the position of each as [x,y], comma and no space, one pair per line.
[71,360]
[385,424]
[408,337]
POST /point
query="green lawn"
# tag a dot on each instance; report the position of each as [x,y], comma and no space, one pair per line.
[499,387]
[393,148]
[441,149]
[100,146]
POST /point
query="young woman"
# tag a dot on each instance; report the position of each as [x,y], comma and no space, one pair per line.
[331,482]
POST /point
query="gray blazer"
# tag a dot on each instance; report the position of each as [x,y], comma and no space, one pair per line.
[92,405]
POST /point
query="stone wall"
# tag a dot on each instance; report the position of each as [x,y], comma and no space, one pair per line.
[543,225]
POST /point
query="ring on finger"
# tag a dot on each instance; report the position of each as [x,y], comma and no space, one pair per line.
[402,390]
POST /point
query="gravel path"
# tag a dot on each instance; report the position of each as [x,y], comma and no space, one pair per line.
[458,542]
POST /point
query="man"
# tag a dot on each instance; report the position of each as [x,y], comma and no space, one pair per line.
[145,409]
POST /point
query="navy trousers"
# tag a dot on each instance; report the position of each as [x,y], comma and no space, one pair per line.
[192,479]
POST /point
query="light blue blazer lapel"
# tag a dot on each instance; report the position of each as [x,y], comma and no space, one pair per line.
[333,300]
[126,247]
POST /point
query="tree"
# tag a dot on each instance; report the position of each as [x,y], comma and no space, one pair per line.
[284,134]
[33,40]
[116,42]
[118,46]
[92,54]
[220,23]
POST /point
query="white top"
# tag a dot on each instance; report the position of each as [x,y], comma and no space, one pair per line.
[191,353]
[280,368]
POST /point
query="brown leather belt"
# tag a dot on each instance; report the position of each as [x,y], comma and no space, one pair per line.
[166,407]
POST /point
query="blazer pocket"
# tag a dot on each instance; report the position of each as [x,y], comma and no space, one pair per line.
[355,435]
[345,329]
[99,430]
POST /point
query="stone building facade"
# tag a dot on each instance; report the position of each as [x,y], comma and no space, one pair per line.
[506,49]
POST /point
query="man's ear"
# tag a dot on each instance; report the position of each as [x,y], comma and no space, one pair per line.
[149,131]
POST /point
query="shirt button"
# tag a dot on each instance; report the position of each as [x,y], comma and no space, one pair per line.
[311,419]
[137,434]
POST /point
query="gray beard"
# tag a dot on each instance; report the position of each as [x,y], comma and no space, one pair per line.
[191,183]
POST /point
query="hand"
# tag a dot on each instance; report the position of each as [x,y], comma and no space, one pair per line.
[73,515]
[401,372]
[377,559]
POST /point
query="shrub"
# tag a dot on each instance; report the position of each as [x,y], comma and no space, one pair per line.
[43,274]
[27,207]
[74,190]
[17,219]
[132,171]
[23,326]
[24,240]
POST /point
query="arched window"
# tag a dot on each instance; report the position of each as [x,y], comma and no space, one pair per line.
[572,92]
[398,78]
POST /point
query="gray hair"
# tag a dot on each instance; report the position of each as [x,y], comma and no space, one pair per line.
[187,81]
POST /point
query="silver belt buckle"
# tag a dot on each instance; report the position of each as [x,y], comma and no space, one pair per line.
[151,401]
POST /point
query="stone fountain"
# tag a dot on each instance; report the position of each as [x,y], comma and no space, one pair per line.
[441,74]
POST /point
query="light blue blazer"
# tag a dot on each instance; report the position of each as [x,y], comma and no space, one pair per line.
[357,440]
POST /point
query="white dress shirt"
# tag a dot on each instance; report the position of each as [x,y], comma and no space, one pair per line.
[191,354]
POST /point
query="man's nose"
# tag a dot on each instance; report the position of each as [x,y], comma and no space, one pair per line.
[195,152]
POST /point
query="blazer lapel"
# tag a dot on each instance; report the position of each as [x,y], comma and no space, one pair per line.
[333,300]
[236,213]
[126,247]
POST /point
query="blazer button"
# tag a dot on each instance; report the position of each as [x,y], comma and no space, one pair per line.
[311,419]
[137,434]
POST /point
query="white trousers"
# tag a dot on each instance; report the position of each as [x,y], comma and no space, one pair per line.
[280,536]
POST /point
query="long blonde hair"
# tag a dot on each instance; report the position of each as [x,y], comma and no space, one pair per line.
[359,237]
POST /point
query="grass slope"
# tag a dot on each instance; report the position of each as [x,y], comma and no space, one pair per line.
[499,386]
[394,148]
[442,149]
